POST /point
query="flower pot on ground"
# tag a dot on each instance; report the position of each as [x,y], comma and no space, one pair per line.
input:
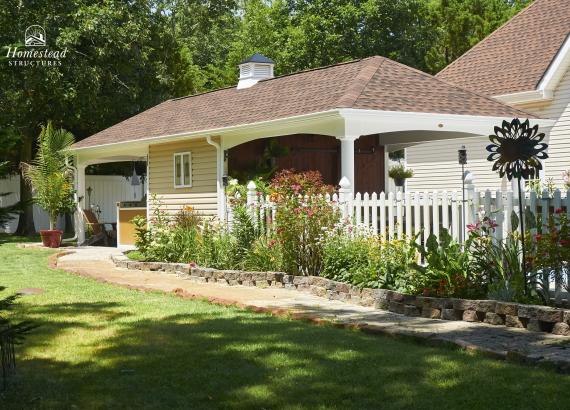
[51,238]
[399,174]
[51,178]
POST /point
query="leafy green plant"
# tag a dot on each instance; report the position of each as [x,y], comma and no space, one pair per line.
[365,259]
[49,173]
[550,254]
[244,230]
[497,262]
[400,172]
[216,247]
[265,255]
[446,271]
[10,334]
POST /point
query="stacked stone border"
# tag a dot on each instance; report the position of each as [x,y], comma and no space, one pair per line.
[531,317]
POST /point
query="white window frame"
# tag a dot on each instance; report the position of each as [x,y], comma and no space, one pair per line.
[184,184]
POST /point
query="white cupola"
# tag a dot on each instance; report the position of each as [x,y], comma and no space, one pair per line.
[254,69]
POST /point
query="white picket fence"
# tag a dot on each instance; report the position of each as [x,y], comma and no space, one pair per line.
[107,190]
[404,214]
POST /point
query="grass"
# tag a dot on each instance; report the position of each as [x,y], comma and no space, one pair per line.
[100,346]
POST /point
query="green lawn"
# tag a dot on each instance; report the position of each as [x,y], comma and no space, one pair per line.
[105,347]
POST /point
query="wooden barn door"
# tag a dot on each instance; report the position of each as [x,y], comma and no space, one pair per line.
[369,165]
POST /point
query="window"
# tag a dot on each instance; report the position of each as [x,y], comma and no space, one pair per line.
[182,170]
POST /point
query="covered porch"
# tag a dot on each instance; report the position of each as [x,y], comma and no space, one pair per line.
[343,143]
[104,212]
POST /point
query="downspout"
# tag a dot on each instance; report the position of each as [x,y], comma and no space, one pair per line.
[219,175]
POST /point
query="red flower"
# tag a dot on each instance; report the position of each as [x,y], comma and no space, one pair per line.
[538,237]
[564,242]
[558,211]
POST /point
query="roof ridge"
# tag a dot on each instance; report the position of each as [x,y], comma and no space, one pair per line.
[360,82]
[276,78]
[493,34]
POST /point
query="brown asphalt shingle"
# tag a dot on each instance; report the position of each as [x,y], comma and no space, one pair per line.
[374,83]
[515,57]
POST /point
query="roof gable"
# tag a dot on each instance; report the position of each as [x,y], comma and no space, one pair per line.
[516,56]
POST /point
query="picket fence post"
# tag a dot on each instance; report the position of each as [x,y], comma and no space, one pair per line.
[344,197]
[252,200]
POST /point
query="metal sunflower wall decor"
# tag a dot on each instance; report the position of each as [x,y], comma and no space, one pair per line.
[516,151]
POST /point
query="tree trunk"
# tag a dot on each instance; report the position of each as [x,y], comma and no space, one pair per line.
[26,221]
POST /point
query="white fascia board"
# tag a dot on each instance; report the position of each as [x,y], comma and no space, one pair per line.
[524,97]
[364,122]
[552,77]
[557,68]
[258,127]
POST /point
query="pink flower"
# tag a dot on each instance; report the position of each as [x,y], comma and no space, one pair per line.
[558,211]
[473,227]
[564,242]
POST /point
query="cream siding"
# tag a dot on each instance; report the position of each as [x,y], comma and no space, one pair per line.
[436,167]
[201,195]
[435,163]
[559,142]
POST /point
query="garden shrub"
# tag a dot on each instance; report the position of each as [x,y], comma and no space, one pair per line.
[168,239]
[303,214]
[244,230]
[549,255]
[364,259]
[217,248]
[447,268]
[264,255]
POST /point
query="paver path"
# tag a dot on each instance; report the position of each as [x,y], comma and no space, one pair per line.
[499,341]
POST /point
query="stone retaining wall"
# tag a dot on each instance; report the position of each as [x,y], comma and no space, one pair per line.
[531,317]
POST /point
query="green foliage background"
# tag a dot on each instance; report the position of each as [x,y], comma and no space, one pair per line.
[124,57]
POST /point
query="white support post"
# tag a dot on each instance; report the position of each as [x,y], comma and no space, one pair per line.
[81,200]
[347,159]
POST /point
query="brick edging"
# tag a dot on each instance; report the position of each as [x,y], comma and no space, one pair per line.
[530,317]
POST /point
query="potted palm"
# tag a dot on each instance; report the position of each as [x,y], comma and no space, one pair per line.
[399,174]
[51,179]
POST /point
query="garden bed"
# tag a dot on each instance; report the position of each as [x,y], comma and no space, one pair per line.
[531,317]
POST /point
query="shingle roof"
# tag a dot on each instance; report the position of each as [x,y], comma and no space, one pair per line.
[374,83]
[515,57]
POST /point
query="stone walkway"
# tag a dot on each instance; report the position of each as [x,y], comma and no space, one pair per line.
[497,341]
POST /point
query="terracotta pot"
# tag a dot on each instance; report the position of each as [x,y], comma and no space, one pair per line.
[51,239]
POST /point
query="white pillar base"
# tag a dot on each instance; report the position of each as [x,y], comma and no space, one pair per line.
[347,160]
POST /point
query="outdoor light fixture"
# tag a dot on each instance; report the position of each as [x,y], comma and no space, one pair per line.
[89,190]
[225,180]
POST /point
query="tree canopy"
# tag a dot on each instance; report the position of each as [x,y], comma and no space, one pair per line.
[124,57]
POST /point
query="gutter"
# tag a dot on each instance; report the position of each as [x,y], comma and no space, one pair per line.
[219,176]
